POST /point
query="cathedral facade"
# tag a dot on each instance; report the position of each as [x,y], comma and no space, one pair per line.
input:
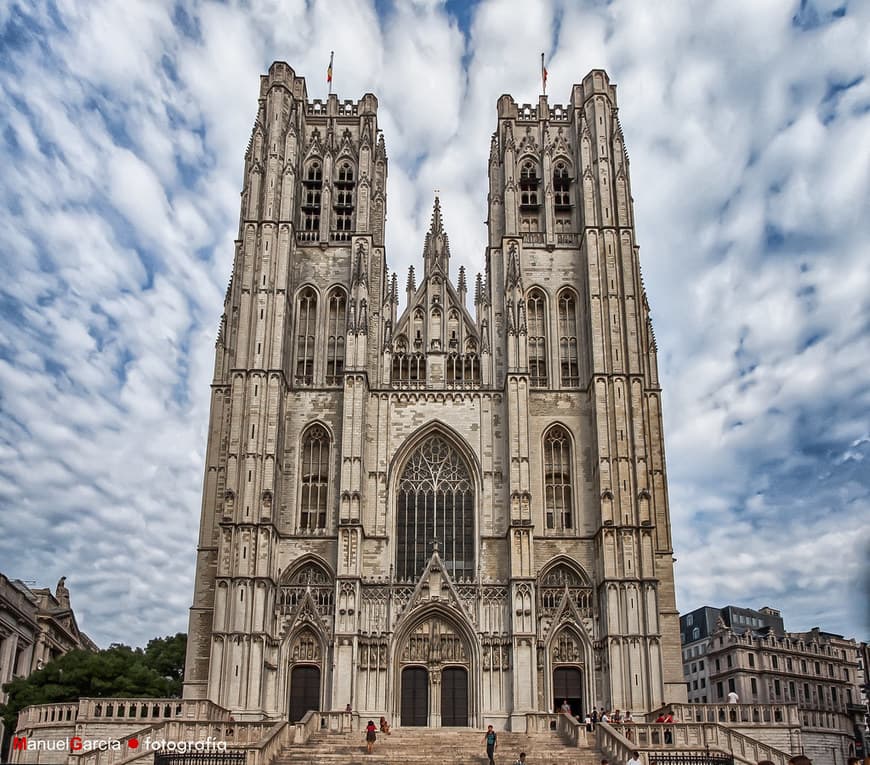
[455,513]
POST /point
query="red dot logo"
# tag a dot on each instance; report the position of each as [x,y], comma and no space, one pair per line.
[133,743]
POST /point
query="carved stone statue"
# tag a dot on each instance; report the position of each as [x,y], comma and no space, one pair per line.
[61,593]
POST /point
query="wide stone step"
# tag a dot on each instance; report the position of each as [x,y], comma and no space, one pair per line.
[416,746]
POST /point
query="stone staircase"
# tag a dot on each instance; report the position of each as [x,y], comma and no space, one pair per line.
[435,746]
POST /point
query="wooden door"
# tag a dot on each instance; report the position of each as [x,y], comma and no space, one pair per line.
[454,697]
[415,696]
[304,691]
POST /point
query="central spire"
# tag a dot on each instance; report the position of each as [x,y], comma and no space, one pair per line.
[436,250]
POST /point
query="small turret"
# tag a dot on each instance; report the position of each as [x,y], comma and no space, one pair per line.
[462,288]
[411,286]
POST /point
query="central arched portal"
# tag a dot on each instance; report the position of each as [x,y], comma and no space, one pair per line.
[435,667]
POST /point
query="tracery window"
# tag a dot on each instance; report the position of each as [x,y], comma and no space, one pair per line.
[306,328]
[314,479]
[558,496]
[336,334]
[409,370]
[435,504]
[561,187]
[553,585]
[310,577]
[463,370]
[529,184]
[344,186]
[537,336]
[568,360]
[312,186]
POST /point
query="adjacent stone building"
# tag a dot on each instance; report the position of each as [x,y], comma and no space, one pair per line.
[449,508]
[36,627]
[749,653]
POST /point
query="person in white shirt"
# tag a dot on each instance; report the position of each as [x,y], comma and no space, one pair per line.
[635,759]
[733,698]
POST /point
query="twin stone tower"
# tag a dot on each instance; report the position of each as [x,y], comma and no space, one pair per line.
[455,514]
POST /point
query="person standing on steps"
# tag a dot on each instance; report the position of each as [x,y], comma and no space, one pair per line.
[635,759]
[371,736]
[491,739]
[521,760]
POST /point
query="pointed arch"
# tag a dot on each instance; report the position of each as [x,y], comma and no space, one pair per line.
[435,485]
[536,317]
[312,190]
[314,470]
[336,333]
[558,464]
[569,362]
[343,204]
[306,335]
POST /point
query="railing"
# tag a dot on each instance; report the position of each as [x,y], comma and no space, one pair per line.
[542,722]
[120,711]
[199,758]
[309,725]
[47,714]
[308,236]
[533,237]
[279,737]
[340,722]
[786,715]
[612,741]
[698,736]
[571,730]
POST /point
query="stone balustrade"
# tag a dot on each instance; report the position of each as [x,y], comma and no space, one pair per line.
[47,714]
[787,715]
[697,737]
[119,710]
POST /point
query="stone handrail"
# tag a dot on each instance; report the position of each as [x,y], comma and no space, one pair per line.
[571,730]
[786,715]
[341,721]
[613,743]
[120,710]
[309,725]
[281,735]
[47,714]
[695,736]
[211,733]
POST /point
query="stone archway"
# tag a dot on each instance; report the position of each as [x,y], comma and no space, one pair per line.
[435,675]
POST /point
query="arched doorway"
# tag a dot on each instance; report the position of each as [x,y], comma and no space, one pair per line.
[568,685]
[454,697]
[304,691]
[415,696]
[434,665]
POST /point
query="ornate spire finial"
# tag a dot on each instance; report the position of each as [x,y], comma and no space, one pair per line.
[478,289]
[394,288]
[462,285]
[411,286]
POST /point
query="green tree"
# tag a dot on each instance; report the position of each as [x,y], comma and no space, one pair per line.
[155,672]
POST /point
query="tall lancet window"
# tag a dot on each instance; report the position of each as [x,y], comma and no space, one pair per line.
[314,479]
[558,496]
[537,334]
[337,332]
[344,202]
[562,197]
[306,326]
[568,360]
[529,199]
[435,504]
[312,186]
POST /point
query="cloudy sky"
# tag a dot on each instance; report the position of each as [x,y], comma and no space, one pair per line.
[121,144]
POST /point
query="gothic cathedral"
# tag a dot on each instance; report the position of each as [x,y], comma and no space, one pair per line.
[448,514]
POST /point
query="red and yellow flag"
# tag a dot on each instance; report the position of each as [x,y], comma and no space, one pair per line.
[329,70]
[543,74]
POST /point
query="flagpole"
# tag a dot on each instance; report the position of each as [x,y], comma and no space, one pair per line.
[329,71]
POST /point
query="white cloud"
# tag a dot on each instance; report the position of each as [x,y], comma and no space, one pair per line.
[122,155]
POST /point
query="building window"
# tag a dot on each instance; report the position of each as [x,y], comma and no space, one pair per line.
[731,686]
[753,684]
[435,504]
[701,664]
[306,326]
[561,187]
[696,633]
[703,682]
[558,497]
[409,370]
[336,334]
[719,692]
[751,660]
[537,329]
[343,206]
[717,665]
[314,478]
[729,661]
[568,359]
[312,186]
[529,185]
[788,663]
[777,688]
[690,619]
[774,662]
[463,370]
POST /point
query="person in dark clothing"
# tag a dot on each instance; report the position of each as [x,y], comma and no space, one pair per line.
[371,736]
[491,739]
